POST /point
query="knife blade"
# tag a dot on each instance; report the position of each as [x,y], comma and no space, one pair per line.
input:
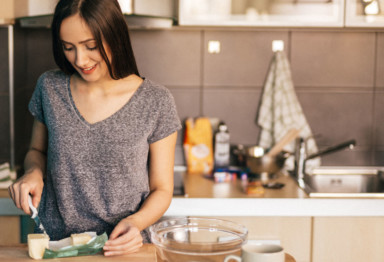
[35,215]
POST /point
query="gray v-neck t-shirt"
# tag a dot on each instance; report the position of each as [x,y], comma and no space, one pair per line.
[97,174]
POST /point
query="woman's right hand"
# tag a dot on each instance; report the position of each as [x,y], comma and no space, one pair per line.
[30,183]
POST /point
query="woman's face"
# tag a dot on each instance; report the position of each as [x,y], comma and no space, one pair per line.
[81,50]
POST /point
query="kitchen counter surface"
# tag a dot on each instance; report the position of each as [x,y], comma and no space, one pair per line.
[198,186]
[204,197]
[147,253]
[19,253]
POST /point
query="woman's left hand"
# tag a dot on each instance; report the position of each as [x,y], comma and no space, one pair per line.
[124,239]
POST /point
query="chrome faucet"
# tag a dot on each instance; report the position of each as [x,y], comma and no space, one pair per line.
[301,156]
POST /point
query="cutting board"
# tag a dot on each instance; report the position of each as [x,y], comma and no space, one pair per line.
[289,258]
[19,253]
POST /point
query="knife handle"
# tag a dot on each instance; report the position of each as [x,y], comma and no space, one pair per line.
[33,209]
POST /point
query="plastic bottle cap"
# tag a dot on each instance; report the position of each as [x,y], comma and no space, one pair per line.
[223,128]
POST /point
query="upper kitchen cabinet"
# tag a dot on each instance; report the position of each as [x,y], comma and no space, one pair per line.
[139,14]
[11,9]
[22,8]
[364,13]
[268,13]
[6,12]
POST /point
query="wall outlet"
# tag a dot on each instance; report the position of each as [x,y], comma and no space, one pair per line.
[277,45]
[214,47]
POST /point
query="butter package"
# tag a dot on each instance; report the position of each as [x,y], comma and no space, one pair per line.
[37,243]
[198,145]
[84,244]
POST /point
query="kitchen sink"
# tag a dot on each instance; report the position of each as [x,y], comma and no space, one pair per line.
[359,182]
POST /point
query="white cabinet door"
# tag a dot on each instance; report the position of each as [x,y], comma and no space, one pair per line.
[348,239]
[280,13]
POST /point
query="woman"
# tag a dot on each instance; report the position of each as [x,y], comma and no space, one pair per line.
[102,150]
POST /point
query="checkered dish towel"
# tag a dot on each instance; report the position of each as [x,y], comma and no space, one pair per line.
[280,111]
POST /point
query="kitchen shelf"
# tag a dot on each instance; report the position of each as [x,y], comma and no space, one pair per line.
[36,21]
[134,21]
[262,13]
[6,22]
[249,13]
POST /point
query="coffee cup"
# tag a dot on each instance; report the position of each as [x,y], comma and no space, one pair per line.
[259,253]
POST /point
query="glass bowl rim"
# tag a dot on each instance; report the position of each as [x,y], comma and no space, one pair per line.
[190,222]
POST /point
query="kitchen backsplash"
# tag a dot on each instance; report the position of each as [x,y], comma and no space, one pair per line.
[338,77]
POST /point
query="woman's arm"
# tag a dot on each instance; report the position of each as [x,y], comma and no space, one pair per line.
[126,237]
[162,158]
[34,165]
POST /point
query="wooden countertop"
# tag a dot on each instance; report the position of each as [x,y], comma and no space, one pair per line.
[19,253]
[147,253]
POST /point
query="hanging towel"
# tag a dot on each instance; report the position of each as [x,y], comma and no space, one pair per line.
[280,111]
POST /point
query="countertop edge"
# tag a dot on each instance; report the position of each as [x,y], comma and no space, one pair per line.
[275,207]
[307,207]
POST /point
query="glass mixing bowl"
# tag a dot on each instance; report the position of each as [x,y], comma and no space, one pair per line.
[197,239]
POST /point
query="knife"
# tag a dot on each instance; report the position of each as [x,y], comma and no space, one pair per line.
[35,215]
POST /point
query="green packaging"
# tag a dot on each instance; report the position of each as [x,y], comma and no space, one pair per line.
[94,246]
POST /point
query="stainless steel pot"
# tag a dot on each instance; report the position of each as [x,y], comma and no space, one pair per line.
[258,162]
[273,161]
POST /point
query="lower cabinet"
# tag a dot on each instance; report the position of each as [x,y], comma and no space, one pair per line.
[348,239]
[321,239]
[9,230]
[294,233]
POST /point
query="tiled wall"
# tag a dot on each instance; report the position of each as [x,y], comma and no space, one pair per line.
[338,76]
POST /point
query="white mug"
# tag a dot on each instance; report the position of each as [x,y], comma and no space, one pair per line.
[259,253]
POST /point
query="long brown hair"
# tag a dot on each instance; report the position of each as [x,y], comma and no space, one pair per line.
[106,22]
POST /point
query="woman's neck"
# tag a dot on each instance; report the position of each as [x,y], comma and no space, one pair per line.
[106,86]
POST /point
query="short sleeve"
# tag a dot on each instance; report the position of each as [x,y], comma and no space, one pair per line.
[167,121]
[36,103]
